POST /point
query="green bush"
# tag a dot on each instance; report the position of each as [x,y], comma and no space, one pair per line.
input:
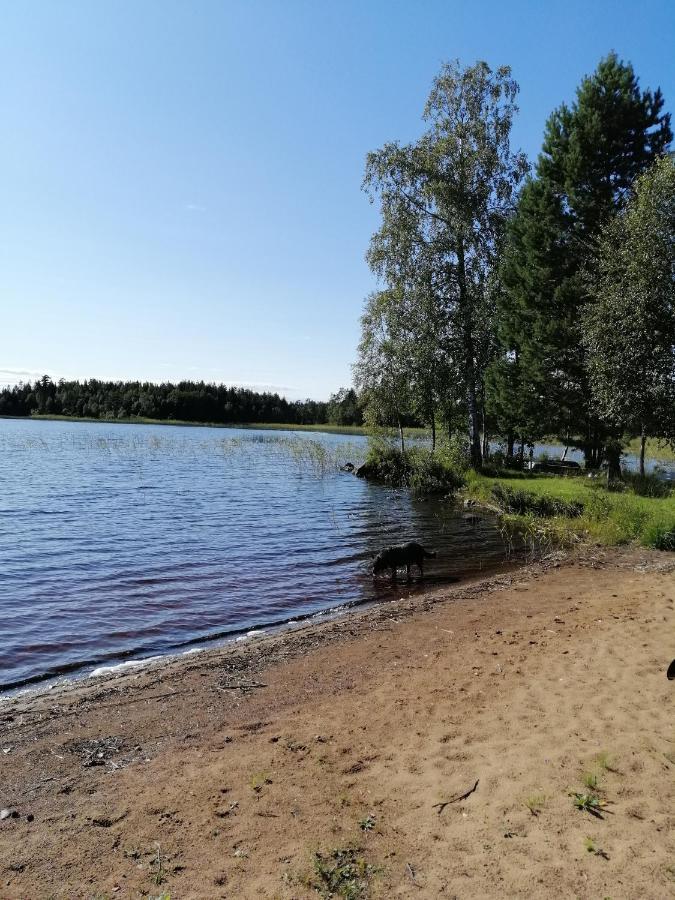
[419,469]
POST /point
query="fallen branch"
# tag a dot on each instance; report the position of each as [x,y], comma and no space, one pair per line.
[249,686]
[441,806]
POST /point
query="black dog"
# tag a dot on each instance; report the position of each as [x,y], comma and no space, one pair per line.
[405,555]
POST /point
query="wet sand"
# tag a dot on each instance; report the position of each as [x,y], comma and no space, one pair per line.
[222,774]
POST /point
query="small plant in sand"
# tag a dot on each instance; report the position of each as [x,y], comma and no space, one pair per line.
[258,781]
[367,824]
[593,848]
[341,873]
[536,803]
[606,762]
[158,874]
[590,803]
[591,780]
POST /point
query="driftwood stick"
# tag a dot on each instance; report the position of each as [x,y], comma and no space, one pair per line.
[441,806]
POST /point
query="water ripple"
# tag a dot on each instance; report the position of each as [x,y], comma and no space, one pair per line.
[119,541]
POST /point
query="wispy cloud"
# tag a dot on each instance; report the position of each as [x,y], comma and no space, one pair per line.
[14,376]
[194,207]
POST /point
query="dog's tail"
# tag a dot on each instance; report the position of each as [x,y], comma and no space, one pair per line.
[430,553]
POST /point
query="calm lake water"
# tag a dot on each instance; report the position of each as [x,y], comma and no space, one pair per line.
[125,541]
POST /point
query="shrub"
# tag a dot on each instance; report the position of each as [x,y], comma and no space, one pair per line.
[419,469]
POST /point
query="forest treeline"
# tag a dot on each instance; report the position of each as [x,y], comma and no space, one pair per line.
[185,401]
[520,302]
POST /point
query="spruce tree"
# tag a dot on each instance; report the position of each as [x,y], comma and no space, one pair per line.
[592,152]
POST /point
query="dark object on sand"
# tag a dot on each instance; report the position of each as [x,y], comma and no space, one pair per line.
[393,558]
[671,671]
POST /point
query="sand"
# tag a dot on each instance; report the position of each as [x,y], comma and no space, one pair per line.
[222,775]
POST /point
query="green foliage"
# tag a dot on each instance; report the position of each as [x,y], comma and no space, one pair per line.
[344,409]
[629,328]
[646,485]
[367,824]
[444,200]
[592,152]
[605,517]
[589,803]
[187,401]
[660,535]
[417,468]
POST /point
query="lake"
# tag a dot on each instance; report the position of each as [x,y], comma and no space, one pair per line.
[128,541]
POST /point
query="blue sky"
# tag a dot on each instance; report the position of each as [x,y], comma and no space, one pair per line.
[181,180]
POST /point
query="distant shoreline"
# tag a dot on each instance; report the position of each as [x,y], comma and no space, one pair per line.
[182,423]
[655,450]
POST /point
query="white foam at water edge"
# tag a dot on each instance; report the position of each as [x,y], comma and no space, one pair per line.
[123,667]
[249,634]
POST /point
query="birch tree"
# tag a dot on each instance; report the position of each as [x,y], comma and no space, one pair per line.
[443,201]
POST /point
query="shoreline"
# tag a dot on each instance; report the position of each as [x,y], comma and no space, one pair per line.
[221,774]
[49,685]
[354,430]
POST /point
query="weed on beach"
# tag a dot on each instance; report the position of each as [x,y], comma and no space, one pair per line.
[606,762]
[258,781]
[536,803]
[590,803]
[342,872]
[592,847]
[591,780]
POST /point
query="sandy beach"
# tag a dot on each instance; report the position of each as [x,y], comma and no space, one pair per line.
[428,747]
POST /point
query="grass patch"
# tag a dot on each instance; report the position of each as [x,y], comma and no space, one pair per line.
[542,505]
[559,511]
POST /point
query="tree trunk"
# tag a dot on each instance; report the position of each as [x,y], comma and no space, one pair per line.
[469,362]
[433,431]
[400,434]
[643,441]
[510,441]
